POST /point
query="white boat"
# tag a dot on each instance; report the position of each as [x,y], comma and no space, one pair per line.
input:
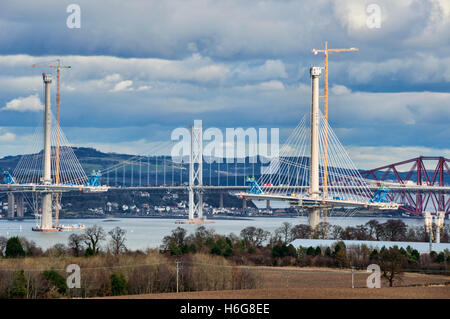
[71,227]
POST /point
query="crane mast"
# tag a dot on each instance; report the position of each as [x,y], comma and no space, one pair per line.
[325,111]
[326,51]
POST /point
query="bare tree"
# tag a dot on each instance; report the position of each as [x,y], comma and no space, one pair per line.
[255,236]
[92,237]
[336,232]
[391,263]
[301,231]
[178,237]
[202,237]
[117,242]
[76,244]
[321,231]
[284,232]
[394,230]
[373,229]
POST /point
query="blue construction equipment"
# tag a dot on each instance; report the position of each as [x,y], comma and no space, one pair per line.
[94,179]
[7,178]
[253,187]
[380,194]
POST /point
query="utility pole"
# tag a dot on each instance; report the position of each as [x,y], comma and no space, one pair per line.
[58,68]
[178,269]
[353,277]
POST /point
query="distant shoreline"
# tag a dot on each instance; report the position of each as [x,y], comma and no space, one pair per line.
[211,218]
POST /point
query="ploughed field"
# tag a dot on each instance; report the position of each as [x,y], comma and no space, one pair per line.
[297,283]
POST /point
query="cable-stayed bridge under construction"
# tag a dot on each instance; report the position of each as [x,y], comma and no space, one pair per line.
[312,171]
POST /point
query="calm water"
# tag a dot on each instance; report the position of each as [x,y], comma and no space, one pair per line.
[145,233]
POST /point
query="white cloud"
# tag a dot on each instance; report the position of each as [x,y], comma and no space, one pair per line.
[113,77]
[263,86]
[123,86]
[143,88]
[271,85]
[368,157]
[388,108]
[22,104]
[418,69]
[271,69]
[351,14]
[7,137]
[19,83]
[340,90]
[211,73]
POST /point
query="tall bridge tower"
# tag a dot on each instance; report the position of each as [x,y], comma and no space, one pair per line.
[196,172]
[314,213]
[46,221]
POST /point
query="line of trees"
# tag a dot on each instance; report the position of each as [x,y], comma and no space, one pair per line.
[27,271]
[391,230]
[255,246]
[209,260]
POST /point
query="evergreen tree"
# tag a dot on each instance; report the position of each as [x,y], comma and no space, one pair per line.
[310,251]
[14,248]
[373,254]
[56,280]
[318,251]
[119,285]
[19,289]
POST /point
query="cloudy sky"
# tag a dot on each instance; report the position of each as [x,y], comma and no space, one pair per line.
[142,68]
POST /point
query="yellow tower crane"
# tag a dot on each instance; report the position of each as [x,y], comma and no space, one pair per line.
[325,164]
[325,167]
[58,67]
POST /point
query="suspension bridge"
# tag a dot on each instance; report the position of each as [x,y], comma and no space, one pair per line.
[313,172]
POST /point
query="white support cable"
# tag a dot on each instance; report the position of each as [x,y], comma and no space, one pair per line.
[276,162]
[292,166]
[285,152]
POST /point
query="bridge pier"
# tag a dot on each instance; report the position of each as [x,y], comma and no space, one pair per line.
[46,221]
[221,200]
[19,206]
[313,217]
[11,205]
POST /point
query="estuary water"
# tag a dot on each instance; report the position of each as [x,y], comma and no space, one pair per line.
[142,233]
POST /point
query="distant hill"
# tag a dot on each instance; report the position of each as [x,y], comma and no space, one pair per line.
[152,171]
[89,158]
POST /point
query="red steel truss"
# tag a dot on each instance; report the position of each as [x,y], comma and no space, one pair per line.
[417,201]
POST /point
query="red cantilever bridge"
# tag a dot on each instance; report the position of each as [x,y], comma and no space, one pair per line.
[419,188]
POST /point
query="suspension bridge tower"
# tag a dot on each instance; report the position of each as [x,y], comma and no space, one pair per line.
[196,172]
[196,177]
